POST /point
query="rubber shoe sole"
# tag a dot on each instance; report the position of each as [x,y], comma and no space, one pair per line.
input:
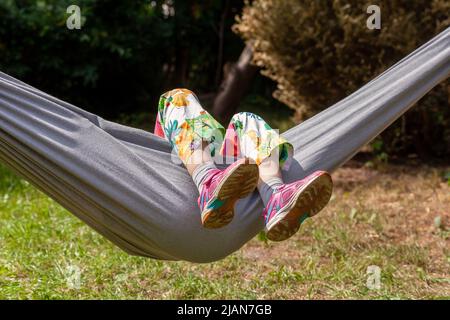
[309,200]
[241,182]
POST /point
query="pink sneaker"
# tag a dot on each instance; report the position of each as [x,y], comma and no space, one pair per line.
[221,190]
[292,203]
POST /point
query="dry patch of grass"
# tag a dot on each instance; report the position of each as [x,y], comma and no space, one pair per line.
[395,217]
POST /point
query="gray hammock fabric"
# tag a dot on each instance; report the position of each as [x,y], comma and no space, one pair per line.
[121,181]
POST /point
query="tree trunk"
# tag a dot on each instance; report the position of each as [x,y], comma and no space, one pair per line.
[235,85]
[221,34]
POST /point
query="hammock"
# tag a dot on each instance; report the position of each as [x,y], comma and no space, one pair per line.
[121,180]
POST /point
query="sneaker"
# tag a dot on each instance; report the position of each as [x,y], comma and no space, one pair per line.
[292,203]
[221,190]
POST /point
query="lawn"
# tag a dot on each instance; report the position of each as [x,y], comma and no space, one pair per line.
[394,217]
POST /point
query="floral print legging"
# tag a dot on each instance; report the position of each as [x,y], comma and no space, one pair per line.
[182,120]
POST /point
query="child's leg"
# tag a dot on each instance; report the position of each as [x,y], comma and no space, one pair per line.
[269,177]
[286,205]
[190,129]
[249,135]
[195,135]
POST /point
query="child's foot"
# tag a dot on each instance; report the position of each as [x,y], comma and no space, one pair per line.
[292,203]
[221,190]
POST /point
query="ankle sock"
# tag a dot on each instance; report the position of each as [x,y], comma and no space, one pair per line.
[266,188]
[201,172]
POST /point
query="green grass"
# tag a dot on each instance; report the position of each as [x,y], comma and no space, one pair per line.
[42,246]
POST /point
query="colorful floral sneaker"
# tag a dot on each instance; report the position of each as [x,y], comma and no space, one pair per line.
[221,190]
[292,203]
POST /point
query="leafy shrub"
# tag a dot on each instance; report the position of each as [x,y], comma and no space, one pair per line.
[318,52]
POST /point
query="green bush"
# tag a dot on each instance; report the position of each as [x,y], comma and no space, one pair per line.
[318,52]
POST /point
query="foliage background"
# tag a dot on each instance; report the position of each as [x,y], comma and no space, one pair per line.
[319,52]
